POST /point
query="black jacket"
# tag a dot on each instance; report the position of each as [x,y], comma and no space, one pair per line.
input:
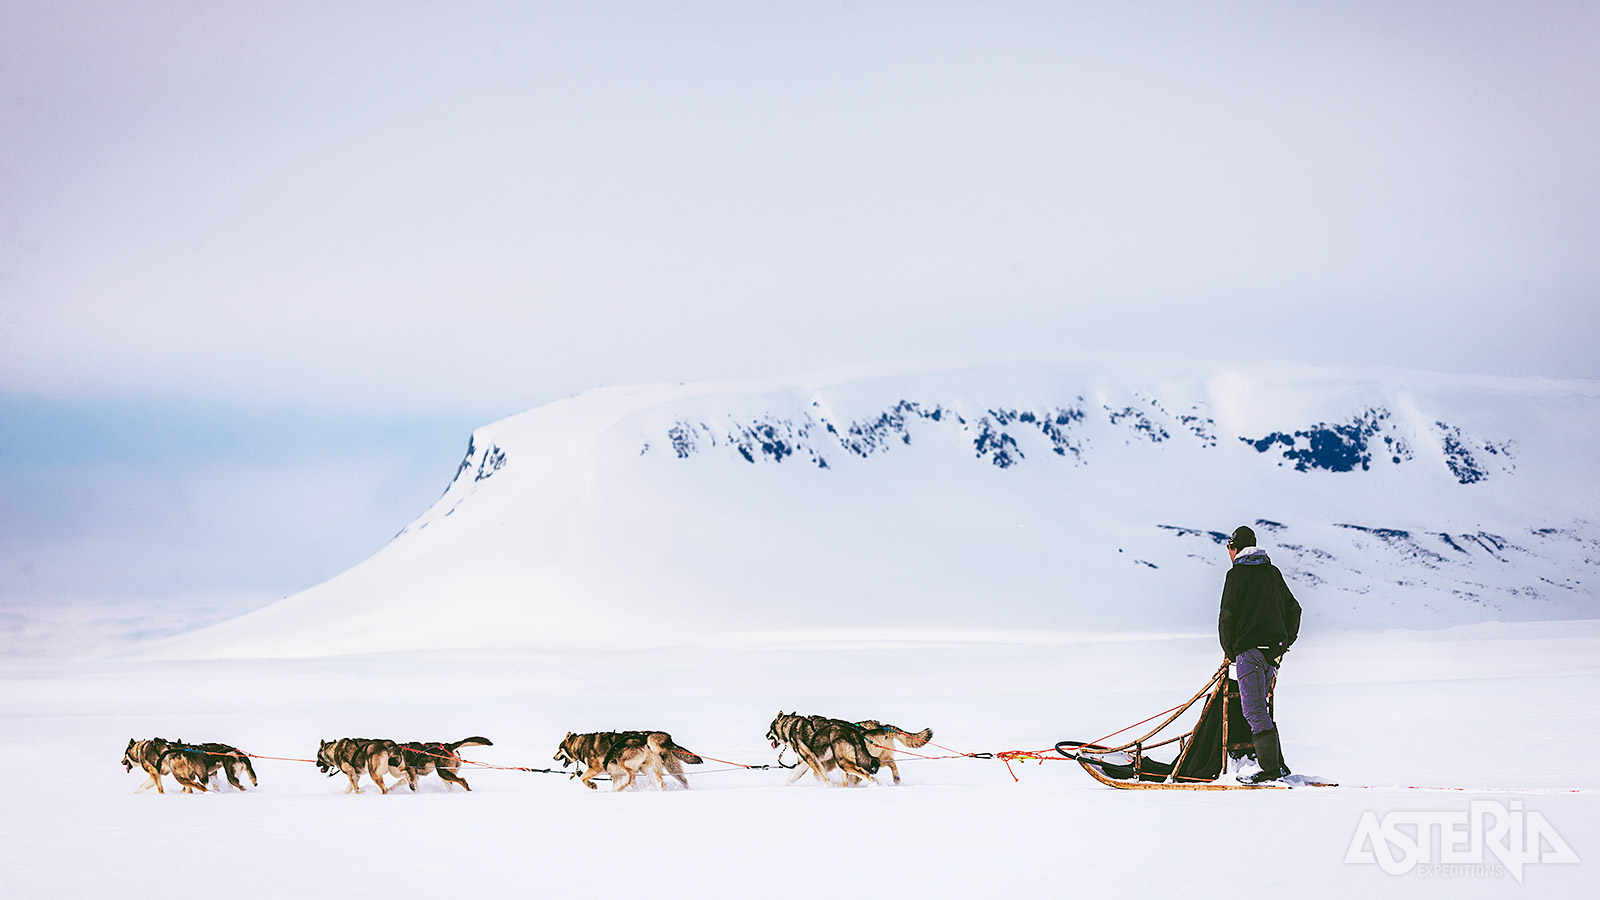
[1257,608]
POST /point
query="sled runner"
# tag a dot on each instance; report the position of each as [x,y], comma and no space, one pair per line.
[1220,735]
[1291,781]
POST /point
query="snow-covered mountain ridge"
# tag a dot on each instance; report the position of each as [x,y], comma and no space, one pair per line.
[1336,447]
[1029,497]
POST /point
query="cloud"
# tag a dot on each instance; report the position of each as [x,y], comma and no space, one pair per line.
[408,207]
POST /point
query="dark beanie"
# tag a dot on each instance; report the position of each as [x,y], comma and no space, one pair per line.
[1243,537]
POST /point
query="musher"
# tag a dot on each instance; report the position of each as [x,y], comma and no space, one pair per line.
[1260,620]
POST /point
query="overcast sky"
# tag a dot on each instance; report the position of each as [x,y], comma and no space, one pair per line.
[377,225]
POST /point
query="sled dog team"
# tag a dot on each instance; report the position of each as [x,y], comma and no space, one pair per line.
[858,749]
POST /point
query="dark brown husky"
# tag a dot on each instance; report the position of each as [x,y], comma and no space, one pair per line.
[222,758]
[622,754]
[352,756]
[881,739]
[154,757]
[824,744]
[421,759]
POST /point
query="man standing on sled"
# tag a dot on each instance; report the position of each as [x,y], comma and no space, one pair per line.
[1260,619]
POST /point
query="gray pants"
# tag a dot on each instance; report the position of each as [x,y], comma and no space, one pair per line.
[1255,673]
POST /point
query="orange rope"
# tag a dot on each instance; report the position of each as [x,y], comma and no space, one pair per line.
[1141,722]
[949,750]
[1006,756]
[242,753]
[893,749]
[726,762]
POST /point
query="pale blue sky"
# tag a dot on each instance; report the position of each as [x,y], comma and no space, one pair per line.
[153,514]
[377,224]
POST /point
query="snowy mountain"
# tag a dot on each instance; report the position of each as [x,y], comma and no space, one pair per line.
[1022,500]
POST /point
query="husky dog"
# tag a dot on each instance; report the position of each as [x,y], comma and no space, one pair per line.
[421,759]
[233,764]
[145,754]
[189,767]
[623,753]
[224,759]
[824,744]
[631,753]
[352,756]
[154,756]
[881,739]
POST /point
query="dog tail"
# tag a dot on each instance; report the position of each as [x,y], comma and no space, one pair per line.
[474,741]
[669,747]
[920,739]
[685,756]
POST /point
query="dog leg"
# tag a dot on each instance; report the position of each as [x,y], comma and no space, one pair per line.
[676,768]
[798,771]
[633,775]
[829,766]
[589,775]
[450,776]
[853,773]
[817,766]
[355,781]
[829,761]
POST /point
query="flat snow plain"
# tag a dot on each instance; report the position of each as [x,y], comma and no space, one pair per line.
[1489,708]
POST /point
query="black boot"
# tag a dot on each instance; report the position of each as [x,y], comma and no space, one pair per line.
[1270,755]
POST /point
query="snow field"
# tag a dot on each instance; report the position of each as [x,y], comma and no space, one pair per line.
[1488,707]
